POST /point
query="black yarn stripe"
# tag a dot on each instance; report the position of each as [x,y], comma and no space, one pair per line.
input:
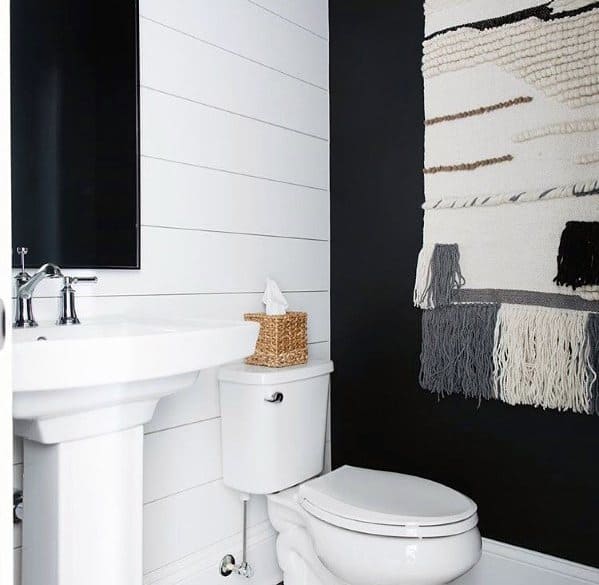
[578,255]
[542,12]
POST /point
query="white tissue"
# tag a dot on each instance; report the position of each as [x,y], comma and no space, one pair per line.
[276,303]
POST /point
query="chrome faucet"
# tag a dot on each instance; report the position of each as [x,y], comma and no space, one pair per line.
[26,285]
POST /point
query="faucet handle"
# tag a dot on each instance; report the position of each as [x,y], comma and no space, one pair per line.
[22,252]
[68,314]
[69,280]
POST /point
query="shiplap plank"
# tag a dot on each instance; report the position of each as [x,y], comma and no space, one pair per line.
[320,351]
[188,132]
[180,458]
[197,403]
[184,523]
[205,306]
[184,261]
[248,30]
[310,14]
[214,200]
[207,74]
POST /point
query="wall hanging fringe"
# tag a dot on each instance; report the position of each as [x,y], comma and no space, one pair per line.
[438,275]
[593,360]
[457,350]
[578,256]
[541,358]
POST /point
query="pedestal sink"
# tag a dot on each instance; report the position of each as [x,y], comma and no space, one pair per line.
[80,397]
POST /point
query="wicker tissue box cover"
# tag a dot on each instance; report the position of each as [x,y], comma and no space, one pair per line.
[282,340]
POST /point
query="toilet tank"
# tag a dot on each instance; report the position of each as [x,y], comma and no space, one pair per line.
[273,424]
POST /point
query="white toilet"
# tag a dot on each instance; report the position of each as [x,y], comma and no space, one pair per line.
[350,526]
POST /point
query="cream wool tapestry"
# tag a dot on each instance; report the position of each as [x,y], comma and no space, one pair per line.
[508,274]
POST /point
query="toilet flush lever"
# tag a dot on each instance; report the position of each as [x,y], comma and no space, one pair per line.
[275,397]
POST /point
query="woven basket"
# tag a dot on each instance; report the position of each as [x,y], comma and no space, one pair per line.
[282,341]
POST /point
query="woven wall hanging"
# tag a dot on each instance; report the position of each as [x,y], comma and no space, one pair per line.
[508,274]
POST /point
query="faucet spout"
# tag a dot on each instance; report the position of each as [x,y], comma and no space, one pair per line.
[26,285]
[25,291]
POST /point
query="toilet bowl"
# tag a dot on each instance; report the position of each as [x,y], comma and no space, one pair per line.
[351,526]
[368,527]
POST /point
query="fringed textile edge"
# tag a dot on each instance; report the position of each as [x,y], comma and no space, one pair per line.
[457,350]
[578,255]
[423,269]
[438,275]
[592,333]
[538,356]
[541,358]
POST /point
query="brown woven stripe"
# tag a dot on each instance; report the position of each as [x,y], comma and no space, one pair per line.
[467,166]
[479,111]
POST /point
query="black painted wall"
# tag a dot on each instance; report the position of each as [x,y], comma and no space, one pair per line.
[534,474]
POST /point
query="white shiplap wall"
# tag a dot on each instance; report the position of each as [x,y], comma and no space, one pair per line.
[235,187]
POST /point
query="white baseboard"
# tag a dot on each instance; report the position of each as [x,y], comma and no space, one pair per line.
[202,568]
[501,564]
[505,564]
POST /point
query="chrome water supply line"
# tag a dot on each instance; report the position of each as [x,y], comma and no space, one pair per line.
[227,564]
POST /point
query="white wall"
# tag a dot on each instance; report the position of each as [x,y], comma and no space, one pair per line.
[235,187]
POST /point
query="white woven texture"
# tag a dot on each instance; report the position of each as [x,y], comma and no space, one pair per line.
[507,219]
[509,246]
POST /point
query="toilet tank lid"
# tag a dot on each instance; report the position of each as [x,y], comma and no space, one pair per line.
[260,375]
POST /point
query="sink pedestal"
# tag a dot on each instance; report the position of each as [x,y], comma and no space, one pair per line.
[83,510]
[81,396]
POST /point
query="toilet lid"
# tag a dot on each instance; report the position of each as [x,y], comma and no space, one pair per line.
[353,497]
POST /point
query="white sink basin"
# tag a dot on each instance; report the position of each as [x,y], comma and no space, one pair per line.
[81,394]
[72,382]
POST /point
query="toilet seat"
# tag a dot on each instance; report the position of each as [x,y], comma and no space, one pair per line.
[387,504]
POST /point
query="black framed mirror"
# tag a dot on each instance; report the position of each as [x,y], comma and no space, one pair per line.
[75,132]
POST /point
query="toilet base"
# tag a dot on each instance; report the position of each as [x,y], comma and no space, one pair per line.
[412,561]
[298,561]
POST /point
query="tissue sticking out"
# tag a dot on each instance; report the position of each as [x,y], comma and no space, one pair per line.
[276,303]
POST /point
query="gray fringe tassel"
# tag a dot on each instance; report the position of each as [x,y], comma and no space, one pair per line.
[457,350]
[593,341]
[438,278]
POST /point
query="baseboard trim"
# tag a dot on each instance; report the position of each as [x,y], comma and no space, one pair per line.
[202,566]
[537,560]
